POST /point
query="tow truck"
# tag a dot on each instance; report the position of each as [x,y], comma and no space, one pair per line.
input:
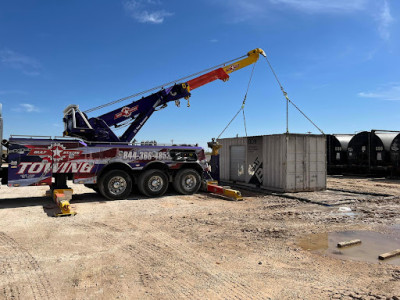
[90,152]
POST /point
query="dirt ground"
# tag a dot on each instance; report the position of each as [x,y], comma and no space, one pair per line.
[193,247]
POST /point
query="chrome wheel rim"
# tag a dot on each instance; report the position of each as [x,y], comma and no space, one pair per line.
[117,185]
[155,183]
[189,182]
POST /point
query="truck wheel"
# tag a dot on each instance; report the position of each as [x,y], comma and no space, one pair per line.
[187,182]
[153,183]
[115,184]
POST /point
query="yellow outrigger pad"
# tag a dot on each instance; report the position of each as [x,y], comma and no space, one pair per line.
[213,187]
[62,197]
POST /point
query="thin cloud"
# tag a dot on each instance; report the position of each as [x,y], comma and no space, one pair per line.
[26,107]
[141,11]
[390,92]
[15,92]
[27,65]
[213,41]
[385,19]
[323,6]
[244,10]
[251,10]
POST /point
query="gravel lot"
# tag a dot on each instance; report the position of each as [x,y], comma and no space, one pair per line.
[194,247]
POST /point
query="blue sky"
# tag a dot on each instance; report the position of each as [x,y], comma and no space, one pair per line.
[337,59]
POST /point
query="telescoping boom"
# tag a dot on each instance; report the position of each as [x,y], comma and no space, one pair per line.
[135,114]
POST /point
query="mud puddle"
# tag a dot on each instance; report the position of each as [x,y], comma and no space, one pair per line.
[372,245]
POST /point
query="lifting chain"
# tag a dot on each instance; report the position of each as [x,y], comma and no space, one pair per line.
[291,102]
[242,107]
[287,103]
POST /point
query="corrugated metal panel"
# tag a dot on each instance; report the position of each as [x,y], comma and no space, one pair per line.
[237,163]
[295,164]
[224,154]
[315,164]
[274,162]
[285,162]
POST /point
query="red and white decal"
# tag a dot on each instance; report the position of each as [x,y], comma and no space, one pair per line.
[126,112]
[55,152]
[40,152]
[233,67]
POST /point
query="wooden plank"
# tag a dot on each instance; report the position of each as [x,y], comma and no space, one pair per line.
[389,254]
[349,243]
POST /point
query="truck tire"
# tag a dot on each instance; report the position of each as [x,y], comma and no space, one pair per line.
[153,183]
[187,182]
[115,185]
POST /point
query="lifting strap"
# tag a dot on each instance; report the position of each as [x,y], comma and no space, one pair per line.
[242,107]
[291,102]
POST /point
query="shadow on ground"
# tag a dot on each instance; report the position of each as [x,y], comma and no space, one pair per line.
[50,208]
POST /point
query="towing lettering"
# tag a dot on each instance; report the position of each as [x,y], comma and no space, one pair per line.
[43,167]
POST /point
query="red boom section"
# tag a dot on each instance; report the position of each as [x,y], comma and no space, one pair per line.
[208,77]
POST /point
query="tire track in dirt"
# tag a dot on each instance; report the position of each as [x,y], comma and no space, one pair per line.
[152,272]
[18,262]
[170,270]
[109,237]
[11,290]
[198,277]
[227,285]
[159,270]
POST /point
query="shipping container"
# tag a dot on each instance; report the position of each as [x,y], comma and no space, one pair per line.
[280,162]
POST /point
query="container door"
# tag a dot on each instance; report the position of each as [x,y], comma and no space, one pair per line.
[238,162]
[300,163]
[295,164]
[315,163]
[254,160]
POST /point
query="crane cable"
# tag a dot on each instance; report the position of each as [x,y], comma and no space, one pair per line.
[242,107]
[291,102]
[162,85]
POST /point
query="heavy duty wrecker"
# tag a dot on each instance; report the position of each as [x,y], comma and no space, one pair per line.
[90,153]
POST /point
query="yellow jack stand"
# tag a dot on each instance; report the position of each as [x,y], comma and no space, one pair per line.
[62,197]
[213,187]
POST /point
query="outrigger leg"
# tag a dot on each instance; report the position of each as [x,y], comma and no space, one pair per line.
[62,195]
[213,187]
